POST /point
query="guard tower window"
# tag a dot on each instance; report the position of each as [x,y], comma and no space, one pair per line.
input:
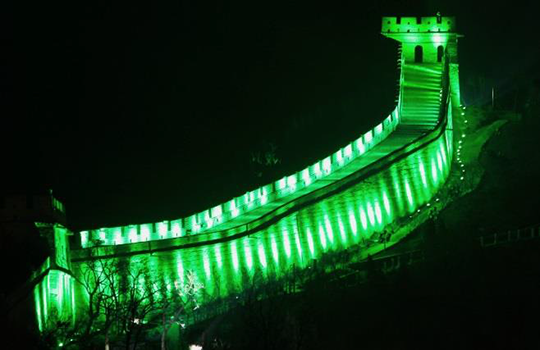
[440,53]
[418,54]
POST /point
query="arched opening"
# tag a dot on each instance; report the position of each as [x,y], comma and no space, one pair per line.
[440,53]
[418,54]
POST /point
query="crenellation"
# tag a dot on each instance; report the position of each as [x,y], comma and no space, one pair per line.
[433,24]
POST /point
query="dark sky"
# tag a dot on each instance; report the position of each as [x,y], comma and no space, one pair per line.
[140,113]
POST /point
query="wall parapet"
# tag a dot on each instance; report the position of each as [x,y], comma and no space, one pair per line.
[251,200]
[434,24]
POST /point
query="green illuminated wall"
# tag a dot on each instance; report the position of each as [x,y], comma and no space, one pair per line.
[211,219]
[351,217]
[54,291]
[344,200]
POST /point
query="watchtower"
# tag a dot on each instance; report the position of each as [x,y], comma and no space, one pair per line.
[426,41]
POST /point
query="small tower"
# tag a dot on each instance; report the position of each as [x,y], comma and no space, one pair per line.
[424,39]
[427,41]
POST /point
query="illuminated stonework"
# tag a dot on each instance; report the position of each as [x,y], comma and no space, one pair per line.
[343,200]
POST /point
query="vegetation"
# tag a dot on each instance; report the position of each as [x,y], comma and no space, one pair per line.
[126,307]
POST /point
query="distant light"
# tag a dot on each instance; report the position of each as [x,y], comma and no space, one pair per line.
[195,347]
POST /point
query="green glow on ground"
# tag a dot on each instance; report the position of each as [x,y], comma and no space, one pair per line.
[206,262]
[262,255]
[298,243]
[371,214]
[247,251]
[397,190]
[434,171]
[386,203]
[328,227]
[236,264]
[310,243]
[286,243]
[45,301]
[378,213]
[409,194]
[443,153]
[422,172]
[179,267]
[217,254]
[342,230]
[363,219]
[275,253]
[39,307]
[352,222]
[322,237]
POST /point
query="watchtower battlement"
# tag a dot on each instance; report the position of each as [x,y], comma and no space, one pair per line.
[434,24]
[424,40]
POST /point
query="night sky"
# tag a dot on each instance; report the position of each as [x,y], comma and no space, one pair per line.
[143,113]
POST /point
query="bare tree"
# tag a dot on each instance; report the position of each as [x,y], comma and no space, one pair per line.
[177,306]
[98,277]
[121,296]
[135,300]
[124,298]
